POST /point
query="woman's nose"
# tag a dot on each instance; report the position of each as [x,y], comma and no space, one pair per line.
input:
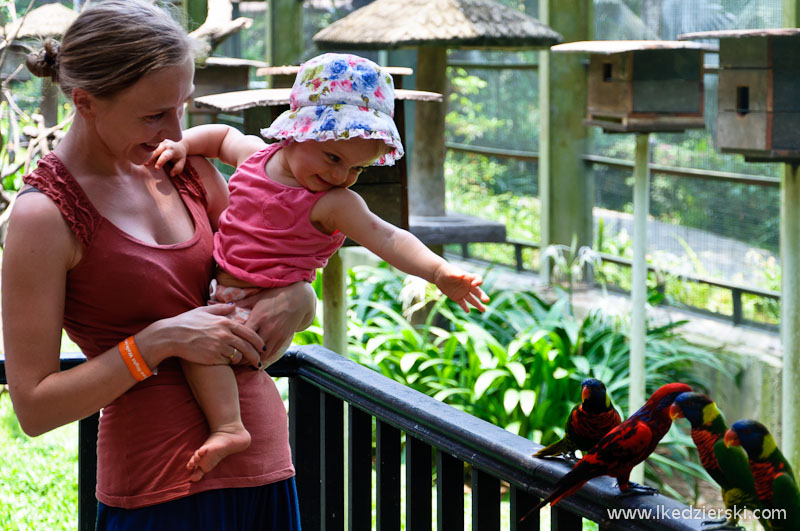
[172,126]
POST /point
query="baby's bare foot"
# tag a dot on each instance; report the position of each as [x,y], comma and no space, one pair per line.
[220,444]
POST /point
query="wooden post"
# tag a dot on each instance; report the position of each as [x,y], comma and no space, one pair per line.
[196,12]
[284,39]
[48,107]
[641,207]
[565,192]
[790,283]
[426,181]
[334,305]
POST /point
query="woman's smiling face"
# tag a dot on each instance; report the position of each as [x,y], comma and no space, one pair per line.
[132,123]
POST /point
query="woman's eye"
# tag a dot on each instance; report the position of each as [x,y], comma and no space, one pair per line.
[154,117]
[333,158]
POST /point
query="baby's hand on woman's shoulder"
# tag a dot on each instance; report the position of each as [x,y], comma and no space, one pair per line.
[461,286]
[169,150]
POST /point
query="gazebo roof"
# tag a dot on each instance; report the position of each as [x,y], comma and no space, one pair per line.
[612,47]
[49,20]
[387,24]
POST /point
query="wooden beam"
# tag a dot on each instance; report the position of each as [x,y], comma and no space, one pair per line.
[426,180]
[565,191]
[790,283]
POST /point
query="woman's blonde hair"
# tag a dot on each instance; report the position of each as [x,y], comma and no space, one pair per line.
[110,46]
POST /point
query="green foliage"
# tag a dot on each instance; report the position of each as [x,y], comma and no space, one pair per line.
[518,365]
[38,477]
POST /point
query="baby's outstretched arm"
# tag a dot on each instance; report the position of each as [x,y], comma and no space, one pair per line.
[344,210]
[213,141]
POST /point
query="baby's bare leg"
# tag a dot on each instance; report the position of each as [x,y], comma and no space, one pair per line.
[215,389]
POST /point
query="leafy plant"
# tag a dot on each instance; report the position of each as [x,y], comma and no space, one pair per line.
[518,365]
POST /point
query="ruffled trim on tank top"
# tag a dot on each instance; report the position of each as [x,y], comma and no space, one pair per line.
[188,181]
[54,179]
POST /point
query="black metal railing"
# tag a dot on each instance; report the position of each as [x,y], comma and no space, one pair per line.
[387,424]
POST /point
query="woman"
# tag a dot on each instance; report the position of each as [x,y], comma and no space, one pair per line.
[119,254]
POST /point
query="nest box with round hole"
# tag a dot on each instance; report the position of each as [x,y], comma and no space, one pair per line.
[643,86]
[759,93]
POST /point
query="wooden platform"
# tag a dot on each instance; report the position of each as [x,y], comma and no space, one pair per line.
[456,228]
[229,102]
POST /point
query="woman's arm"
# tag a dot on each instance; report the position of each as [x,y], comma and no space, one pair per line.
[40,249]
[279,312]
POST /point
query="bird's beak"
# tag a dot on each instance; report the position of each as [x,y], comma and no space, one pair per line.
[732,439]
[585,393]
[675,412]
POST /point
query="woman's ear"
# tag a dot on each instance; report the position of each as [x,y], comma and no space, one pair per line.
[84,103]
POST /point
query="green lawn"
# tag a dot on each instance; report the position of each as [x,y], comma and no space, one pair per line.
[38,476]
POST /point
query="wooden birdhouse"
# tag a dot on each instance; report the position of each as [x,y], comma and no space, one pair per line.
[758,93]
[643,86]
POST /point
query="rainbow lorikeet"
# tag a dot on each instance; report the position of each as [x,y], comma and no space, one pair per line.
[775,482]
[729,467]
[587,423]
[622,448]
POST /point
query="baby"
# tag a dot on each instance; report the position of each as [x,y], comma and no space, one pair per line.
[291,209]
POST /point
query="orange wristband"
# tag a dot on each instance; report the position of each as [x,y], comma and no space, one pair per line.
[134,361]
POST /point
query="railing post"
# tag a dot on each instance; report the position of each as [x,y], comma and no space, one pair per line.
[563,520]
[449,492]
[418,484]
[304,436]
[736,295]
[87,472]
[387,446]
[332,481]
[520,267]
[359,443]
[485,501]
[520,504]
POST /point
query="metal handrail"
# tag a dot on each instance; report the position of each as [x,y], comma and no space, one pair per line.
[486,447]
[457,437]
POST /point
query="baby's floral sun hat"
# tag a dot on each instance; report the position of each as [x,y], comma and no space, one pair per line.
[340,96]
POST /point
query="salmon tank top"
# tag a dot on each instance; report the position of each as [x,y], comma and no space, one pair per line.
[122,285]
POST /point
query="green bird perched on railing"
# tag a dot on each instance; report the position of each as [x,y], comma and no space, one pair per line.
[776,486]
[728,466]
[587,423]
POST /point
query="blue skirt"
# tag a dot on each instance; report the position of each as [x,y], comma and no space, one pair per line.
[272,507]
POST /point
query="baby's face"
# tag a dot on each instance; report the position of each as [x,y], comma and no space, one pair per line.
[320,166]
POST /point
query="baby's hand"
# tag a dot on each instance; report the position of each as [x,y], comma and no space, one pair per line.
[167,151]
[461,286]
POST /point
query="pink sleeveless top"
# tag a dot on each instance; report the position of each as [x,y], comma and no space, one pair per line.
[120,286]
[265,236]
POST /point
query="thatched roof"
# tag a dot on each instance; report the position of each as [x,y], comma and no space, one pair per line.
[387,24]
[49,20]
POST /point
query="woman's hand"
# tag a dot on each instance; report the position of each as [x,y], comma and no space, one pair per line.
[206,335]
[278,313]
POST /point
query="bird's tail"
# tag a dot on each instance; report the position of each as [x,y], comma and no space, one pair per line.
[566,486]
[559,447]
